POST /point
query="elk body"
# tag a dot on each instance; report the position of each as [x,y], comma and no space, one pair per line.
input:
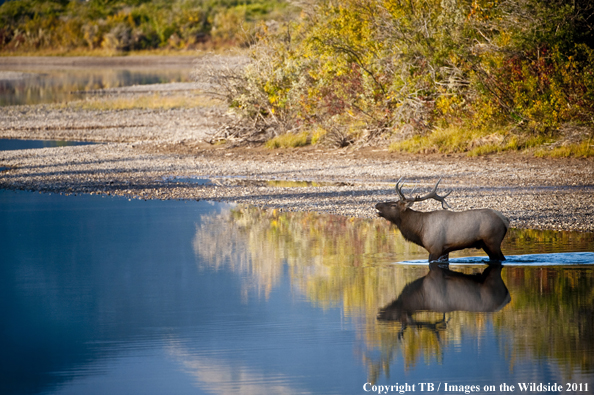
[441,232]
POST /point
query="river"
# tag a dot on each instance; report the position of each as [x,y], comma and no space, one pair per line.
[35,85]
[109,295]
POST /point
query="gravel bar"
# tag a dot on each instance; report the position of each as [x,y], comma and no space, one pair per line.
[162,154]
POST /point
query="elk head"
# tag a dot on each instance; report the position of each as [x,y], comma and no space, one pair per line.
[392,210]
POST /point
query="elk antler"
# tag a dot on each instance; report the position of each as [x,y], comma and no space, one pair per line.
[431,195]
[399,189]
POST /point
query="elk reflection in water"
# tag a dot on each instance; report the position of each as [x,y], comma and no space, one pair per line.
[443,290]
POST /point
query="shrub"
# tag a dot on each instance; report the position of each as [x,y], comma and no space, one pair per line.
[430,71]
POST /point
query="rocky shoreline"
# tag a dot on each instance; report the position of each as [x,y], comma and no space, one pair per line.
[162,154]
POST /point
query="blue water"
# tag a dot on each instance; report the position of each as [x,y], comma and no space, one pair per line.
[111,296]
[16,144]
[189,180]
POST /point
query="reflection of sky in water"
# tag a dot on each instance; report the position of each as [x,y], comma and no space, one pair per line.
[107,295]
[55,86]
[14,144]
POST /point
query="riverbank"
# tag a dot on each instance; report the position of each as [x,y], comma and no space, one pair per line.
[163,154]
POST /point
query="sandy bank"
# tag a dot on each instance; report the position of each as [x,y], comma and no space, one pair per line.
[533,194]
[162,154]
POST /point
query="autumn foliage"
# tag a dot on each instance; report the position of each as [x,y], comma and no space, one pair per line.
[487,75]
[118,26]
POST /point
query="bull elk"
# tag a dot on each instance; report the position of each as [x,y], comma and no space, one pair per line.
[441,232]
[443,290]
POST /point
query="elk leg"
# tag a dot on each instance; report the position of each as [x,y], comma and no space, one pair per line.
[494,253]
[438,257]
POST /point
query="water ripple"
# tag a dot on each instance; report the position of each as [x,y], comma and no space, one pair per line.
[556,259]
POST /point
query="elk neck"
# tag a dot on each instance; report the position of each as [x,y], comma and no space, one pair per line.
[410,224]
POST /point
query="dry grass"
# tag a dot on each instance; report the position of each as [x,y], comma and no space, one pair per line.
[289,140]
[483,142]
[585,149]
[153,101]
[455,139]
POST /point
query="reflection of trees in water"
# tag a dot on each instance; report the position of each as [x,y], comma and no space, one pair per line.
[258,243]
[553,314]
[337,261]
[325,254]
[56,85]
[232,240]
[522,241]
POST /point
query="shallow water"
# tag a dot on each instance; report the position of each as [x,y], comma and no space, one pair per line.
[16,144]
[58,86]
[552,259]
[232,181]
[106,295]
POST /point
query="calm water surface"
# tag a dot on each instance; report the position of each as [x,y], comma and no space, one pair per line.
[16,144]
[110,296]
[57,86]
